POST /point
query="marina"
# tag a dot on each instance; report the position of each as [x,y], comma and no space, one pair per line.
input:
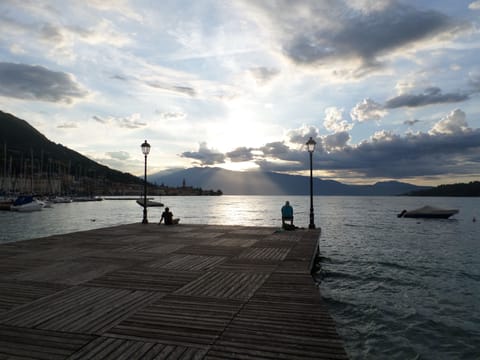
[167,292]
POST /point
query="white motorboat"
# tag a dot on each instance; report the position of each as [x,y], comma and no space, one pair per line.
[27,204]
[150,202]
[61,199]
[429,212]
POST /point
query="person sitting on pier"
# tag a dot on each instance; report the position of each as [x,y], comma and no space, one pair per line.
[287,215]
[167,215]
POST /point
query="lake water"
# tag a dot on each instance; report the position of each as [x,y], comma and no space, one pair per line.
[397,288]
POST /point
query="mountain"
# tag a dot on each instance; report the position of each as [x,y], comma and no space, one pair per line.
[470,189]
[270,183]
[20,143]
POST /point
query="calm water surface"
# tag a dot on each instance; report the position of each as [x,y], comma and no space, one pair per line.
[397,288]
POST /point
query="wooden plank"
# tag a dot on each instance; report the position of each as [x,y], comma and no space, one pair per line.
[146,279]
[179,320]
[16,293]
[220,284]
[187,262]
[80,310]
[39,344]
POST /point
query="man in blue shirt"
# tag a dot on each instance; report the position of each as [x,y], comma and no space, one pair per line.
[287,215]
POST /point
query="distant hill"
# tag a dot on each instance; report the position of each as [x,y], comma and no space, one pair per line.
[270,183]
[22,142]
[470,189]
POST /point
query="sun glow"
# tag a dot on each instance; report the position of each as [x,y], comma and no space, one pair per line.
[239,166]
[242,127]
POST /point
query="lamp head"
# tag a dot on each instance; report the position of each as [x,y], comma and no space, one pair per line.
[311,145]
[145,148]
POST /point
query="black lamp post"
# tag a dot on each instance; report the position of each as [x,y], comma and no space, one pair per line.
[145,150]
[311,148]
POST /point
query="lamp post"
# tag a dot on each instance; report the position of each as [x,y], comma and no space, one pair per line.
[311,147]
[145,150]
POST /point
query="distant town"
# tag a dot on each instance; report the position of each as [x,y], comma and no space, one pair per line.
[56,184]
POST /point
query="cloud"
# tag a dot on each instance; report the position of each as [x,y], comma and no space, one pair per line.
[120,6]
[474,5]
[99,119]
[118,155]
[205,156]
[474,81]
[263,74]
[411,122]
[368,110]
[172,115]
[130,122]
[431,95]
[300,136]
[177,89]
[453,123]
[67,125]
[29,82]
[322,33]
[334,120]
[451,147]
[413,155]
[336,141]
[240,154]
[38,29]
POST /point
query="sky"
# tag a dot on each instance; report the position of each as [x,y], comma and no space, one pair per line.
[389,90]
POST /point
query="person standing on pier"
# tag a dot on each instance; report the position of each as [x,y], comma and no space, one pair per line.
[167,215]
[287,215]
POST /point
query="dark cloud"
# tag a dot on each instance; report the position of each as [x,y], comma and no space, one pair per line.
[301,136]
[263,74]
[29,82]
[205,156]
[450,148]
[185,90]
[432,95]
[322,32]
[411,122]
[118,155]
[390,156]
[130,122]
[336,141]
[240,154]
[119,77]
[414,155]
[99,119]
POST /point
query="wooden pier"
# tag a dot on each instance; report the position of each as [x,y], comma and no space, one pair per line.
[164,292]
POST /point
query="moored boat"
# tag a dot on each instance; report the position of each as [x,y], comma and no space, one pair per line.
[27,204]
[150,203]
[429,212]
[5,204]
[87,198]
[61,199]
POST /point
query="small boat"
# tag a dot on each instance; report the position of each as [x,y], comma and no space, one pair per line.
[27,204]
[5,204]
[150,203]
[429,212]
[87,198]
[61,199]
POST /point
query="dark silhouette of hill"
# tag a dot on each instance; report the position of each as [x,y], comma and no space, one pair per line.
[270,183]
[21,141]
[462,189]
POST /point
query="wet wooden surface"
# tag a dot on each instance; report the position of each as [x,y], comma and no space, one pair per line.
[164,292]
